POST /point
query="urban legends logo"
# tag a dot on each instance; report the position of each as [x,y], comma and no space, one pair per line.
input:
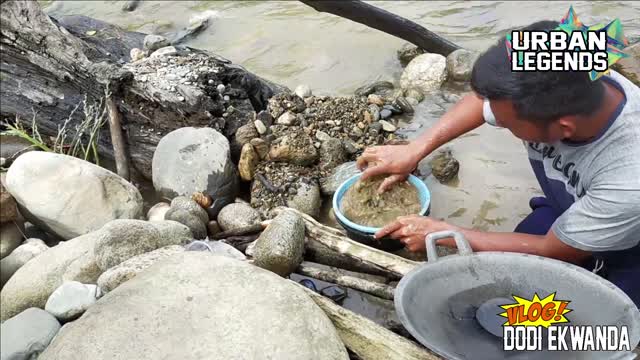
[530,327]
[572,46]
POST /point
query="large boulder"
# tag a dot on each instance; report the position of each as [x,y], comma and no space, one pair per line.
[189,160]
[83,259]
[128,269]
[121,240]
[27,334]
[18,257]
[196,305]
[426,73]
[281,245]
[68,196]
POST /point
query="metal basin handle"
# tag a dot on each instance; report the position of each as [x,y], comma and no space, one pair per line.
[461,243]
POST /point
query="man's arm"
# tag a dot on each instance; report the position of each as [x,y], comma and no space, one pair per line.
[542,245]
[398,161]
[465,116]
[411,231]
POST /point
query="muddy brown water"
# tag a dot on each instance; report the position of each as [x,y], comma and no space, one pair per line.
[292,44]
[363,205]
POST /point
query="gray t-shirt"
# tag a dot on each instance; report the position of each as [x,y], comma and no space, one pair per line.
[595,184]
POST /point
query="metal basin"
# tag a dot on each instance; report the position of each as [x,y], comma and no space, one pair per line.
[437,301]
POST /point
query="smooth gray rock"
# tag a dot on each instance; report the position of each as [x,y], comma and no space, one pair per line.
[120,240]
[387,126]
[27,334]
[409,52]
[196,226]
[375,112]
[186,203]
[154,42]
[32,284]
[281,245]
[157,211]
[70,197]
[18,257]
[339,175]
[307,198]
[303,91]
[288,118]
[426,72]
[332,153]
[189,160]
[234,216]
[460,63]
[71,299]
[195,305]
[165,51]
[10,237]
[128,269]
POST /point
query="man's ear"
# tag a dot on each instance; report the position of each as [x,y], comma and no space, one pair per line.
[567,125]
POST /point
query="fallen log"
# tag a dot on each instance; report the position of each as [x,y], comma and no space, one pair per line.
[49,66]
[365,338]
[334,275]
[321,254]
[360,275]
[387,22]
[381,260]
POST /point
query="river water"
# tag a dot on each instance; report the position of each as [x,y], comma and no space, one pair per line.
[292,44]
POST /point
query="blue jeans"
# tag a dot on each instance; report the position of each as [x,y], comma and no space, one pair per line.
[622,268]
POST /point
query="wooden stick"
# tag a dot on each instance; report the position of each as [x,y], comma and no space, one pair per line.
[387,22]
[365,338]
[334,275]
[379,259]
[267,184]
[356,274]
[119,149]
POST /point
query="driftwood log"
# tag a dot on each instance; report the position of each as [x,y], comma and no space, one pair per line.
[385,263]
[387,22]
[49,66]
[365,338]
[336,276]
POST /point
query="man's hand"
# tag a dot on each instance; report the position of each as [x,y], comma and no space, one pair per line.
[411,230]
[396,160]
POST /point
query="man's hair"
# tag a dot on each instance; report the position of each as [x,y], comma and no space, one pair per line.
[536,96]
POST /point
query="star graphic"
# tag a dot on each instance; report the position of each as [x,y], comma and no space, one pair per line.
[616,41]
